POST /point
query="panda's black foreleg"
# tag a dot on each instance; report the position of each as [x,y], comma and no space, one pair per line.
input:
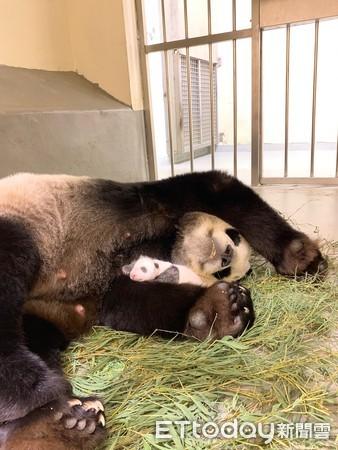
[288,249]
[25,380]
[222,195]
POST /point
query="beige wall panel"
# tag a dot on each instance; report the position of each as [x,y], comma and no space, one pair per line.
[99,44]
[130,22]
[34,34]
[276,12]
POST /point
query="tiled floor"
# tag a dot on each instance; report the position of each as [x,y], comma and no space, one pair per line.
[314,209]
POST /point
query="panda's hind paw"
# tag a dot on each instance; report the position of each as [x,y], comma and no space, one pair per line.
[85,415]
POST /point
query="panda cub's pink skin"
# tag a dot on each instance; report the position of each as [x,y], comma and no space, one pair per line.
[147,269]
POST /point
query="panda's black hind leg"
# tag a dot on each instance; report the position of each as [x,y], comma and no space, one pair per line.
[26,382]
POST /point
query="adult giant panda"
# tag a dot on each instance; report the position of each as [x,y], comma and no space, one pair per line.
[211,247]
[67,237]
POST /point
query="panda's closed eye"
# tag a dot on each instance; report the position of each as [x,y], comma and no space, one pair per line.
[234,235]
[156,265]
[144,269]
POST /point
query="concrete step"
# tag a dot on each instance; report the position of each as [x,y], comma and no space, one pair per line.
[58,122]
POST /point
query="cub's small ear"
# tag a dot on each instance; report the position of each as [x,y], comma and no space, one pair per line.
[198,319]
[127,268]
[234,235]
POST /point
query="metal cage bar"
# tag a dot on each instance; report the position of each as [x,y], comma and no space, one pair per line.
[199,40]
[211,91]
[337,158]
[189,88]
[330,181]
[166,68]
[234,86]
[287,86]
[255,33]
[256,83]
[150,148]
[314,98]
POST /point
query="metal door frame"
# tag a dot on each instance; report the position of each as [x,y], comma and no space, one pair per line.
[255,33]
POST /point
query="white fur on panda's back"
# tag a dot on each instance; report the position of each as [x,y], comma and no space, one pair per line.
[25,192]
[40,201]
[55,209]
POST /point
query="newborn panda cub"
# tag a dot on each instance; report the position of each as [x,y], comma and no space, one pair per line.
[148,269]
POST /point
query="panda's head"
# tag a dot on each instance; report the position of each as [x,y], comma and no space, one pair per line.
[144,269]
[211,246]
[239,264]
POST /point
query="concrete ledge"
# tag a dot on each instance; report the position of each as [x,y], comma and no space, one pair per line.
[57,122]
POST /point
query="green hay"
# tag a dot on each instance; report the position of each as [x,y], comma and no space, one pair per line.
[284,368]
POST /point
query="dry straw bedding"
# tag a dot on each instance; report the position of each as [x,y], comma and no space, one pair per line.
[283,369]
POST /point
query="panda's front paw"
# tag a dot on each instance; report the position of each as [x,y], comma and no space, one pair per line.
[301,256]
[226,309]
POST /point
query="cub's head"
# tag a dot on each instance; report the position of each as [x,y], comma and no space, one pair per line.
[144,269]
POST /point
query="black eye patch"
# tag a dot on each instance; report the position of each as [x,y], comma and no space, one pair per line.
[222,273]
[156,265]
[233,235]
[144,269]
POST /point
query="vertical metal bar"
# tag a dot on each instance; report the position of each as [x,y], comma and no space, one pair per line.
[234,15]
[287,82]
[150,149]
[166,66]
[314,98]
[337,158]
[256,107]
[211,91]
[189,88]
[234,85]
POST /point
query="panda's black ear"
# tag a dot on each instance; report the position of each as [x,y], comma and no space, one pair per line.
[234,235]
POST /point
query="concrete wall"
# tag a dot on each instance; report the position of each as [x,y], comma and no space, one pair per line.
[84,131]
[104,144]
